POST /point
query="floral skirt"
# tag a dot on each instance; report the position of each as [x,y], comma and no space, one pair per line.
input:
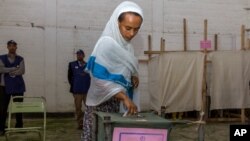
[110,106]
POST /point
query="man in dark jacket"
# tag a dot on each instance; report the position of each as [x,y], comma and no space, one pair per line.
[79,82]
[12,84]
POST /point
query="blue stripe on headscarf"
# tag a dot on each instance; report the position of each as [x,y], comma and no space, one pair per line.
[100,72]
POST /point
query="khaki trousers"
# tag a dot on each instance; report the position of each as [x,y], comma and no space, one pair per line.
[79,100]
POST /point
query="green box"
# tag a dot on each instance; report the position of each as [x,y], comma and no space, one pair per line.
[106,122]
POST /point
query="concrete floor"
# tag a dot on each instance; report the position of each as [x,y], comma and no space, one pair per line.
[64,129]
[213,132]
[58,129]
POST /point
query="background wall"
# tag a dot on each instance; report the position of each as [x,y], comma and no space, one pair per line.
[48,32]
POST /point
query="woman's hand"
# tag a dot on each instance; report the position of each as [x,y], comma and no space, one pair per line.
[131,107]
[135,81]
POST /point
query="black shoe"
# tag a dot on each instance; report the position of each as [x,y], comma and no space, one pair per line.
[2,133]
[19,126]
[80,127]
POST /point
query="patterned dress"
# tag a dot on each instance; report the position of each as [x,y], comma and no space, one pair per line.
[110,106]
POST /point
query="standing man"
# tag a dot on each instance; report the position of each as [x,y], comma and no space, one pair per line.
[12,84]
[79,82]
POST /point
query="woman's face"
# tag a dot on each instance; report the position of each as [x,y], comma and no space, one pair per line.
[129,25]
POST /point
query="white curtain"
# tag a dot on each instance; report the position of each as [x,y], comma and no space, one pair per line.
[175,81]
[230,79]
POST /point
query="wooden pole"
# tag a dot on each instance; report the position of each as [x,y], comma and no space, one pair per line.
[243,37]
[215,42]
[162,45]
[243,115]
[205,29]
[204,89]
[248,43]
[201,130]
[243,29]
[149,46]
[185,34]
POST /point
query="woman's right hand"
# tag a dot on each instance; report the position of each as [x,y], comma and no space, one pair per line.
[129,104]
[131,107]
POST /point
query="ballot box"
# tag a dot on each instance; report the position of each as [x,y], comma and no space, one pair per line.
[141,127]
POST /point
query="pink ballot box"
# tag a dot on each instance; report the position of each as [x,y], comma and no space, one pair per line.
[144,127]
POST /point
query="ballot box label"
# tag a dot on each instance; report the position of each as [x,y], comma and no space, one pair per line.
[239,132]
[139,134]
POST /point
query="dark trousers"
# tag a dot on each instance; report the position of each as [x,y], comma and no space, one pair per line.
[1,107]
[3,117]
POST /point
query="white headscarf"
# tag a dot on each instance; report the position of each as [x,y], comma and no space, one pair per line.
[112,28]
[112,62]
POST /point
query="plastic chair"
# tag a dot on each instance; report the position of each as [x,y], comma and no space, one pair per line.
[29,105]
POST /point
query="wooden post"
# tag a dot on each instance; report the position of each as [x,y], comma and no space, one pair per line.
[248,40]
[204,89]
[243,37]
[149,46]
[243,29]
[201,132]
[185,34]
[243,115]
[205,29]
[215,42]
[162,45]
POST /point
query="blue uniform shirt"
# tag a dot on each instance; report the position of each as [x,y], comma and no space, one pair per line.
[78,79]
[13,84]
